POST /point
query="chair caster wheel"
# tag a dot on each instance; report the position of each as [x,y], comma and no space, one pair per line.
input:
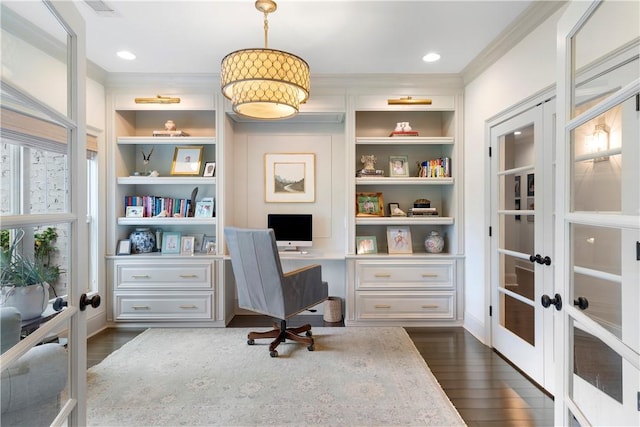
[308,333]
[273,353]
[251,342]
[311,347]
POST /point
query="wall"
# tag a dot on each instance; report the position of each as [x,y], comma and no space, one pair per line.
[526,70]
[519,74]
[251,141]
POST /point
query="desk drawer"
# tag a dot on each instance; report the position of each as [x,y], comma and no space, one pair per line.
[405,306]
[165,276]
[409,274]
[164,306]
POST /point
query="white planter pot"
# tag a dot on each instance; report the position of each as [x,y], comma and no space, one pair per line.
[30,301]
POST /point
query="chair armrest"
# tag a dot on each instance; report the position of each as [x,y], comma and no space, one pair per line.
[303,288]
[38,376]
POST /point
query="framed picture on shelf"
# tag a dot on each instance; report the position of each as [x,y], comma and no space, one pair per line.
[186,160]
[187,244]
[134,212]
[204,208]
[366,245]
[208,245]
[289,178]
[197,242]
[517,205]
[399,240]
[209,169]
[171,242]
[398,166]
[369,204]
[124,247]
[516,188]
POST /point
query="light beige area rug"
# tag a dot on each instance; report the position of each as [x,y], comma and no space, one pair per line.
[358,376]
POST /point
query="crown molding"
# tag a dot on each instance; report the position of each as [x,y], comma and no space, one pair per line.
[538,12]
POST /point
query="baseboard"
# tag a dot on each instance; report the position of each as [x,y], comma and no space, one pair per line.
[475,327]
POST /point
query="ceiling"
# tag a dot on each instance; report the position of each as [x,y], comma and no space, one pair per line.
[333,36]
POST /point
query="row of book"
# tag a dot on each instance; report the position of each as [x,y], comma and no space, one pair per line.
[436,168]
[423,211]
[156,205]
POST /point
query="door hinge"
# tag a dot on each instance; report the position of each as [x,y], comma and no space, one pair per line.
[490,311]
[490,230]
[489,151]
[639,401]
[637,251]
[638,102]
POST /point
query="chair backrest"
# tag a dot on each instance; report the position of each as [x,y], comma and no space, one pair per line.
[257,269]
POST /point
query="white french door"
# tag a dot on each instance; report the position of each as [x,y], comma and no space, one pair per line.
[521,242]
[598,218]
[43,83]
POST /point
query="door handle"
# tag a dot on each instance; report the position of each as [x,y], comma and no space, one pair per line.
[556,301]
[85,301]
[581,302]
[539,259]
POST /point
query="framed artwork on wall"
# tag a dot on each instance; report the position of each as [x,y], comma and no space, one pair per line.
[289,178]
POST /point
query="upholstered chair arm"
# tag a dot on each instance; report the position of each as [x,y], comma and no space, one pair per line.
[303,288]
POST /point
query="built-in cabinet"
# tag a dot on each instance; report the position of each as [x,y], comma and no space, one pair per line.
[406,285]
[164,284]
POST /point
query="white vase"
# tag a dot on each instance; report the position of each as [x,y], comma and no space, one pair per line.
[398,127]
[30,300]
[434,243]
[406,127]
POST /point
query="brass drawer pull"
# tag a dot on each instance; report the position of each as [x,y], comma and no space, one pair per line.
[382,275]
[430,306]
[188,276]
[189,307]
[140,276]
[140,307]
[382,306]
[429,275]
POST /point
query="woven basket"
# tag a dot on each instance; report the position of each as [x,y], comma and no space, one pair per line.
[332,310]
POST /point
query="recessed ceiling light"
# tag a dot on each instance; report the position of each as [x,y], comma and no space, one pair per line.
[431,57]
[517,132]
[125,54]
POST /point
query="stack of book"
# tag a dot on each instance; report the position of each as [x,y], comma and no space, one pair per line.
[423,211]
[404,133]
[374,173]
[169,133]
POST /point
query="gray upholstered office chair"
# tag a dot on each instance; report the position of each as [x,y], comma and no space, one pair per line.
[264,288]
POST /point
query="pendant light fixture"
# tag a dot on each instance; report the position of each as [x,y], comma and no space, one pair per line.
[265,83]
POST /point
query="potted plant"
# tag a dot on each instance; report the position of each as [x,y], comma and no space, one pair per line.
[22,282]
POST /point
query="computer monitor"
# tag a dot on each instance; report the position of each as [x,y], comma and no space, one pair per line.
[292,231]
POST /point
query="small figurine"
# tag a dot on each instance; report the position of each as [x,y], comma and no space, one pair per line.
[145,159]
[369,161]
[396,211]
[169,125]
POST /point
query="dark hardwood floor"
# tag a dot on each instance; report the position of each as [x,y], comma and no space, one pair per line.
[486,390]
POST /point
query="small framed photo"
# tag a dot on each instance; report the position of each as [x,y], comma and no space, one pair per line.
[187,245]
[134,212]
[516,188]
[204,208]
[530,185]
[171,242]
[398,166]
[124,247]
[517,206]
[366,245]
[209,245]
[393,207]
[399,240]
[209,169]
[197,244]
[369,204]
[186,160]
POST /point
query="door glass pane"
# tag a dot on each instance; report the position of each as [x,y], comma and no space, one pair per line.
[597,364]
[598,174]
[597,274]
[34,40]
[598,37]
[517,276]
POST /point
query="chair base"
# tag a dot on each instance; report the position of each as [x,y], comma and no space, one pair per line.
[281,334]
